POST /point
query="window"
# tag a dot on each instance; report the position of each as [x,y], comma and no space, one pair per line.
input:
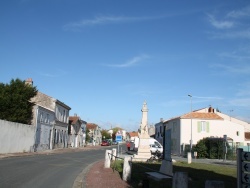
[203,126]
[64,116]
[174,126]
[238,133]
[55,136]
[41,117]
[47,119]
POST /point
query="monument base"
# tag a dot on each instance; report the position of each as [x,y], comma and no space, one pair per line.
[143,153]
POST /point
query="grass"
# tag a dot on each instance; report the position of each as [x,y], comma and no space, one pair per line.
[198,173]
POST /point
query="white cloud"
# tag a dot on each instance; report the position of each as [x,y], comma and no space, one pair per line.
[244,34]
[207,98]
[132,62]
[236,69]
[245,90]
[241,54]
[220,24]
[103,20]
[242,102]
[245,12]
[57,73]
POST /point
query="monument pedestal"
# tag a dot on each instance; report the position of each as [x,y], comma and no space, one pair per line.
[143,153]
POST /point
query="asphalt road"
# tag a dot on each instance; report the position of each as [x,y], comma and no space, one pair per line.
[55,170]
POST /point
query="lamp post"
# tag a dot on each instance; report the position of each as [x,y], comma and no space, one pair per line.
[191,141]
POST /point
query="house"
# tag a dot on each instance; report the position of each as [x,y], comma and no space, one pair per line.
[121,132]
[110,131]
[159,131]
[151,131]
[94,133]
[44,121]
[118,131]
[131,136]
[51,118]
[76,131]
[199,124]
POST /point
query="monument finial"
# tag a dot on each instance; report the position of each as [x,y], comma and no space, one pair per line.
[144,107]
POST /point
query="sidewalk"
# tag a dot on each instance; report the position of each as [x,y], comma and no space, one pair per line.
[98,176]
[49,152]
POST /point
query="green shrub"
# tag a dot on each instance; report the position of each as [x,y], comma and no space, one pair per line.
[211,148]
[201,149]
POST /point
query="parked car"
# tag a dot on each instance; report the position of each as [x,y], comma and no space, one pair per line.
[153,144]
[114,142]
[105,143]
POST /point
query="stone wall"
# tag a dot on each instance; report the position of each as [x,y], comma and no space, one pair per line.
[16,137]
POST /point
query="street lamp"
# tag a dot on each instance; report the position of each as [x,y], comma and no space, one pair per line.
[191,141]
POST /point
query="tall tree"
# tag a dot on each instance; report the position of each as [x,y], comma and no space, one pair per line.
[15,102]
[105,134]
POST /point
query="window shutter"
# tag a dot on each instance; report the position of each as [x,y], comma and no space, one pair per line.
[207,128]
[199,126]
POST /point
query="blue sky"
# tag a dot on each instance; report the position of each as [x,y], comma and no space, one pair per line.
[105,58]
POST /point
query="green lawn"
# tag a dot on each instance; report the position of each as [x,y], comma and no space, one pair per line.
[198,173]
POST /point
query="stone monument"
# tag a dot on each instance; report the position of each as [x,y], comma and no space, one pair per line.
[143,152]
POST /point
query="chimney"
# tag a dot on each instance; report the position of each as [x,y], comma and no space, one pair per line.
[29,81]
[161,120]
[210,110]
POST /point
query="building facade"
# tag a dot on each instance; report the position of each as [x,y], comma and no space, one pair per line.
[76,132]
[94,134]
[44,110]
[191,127]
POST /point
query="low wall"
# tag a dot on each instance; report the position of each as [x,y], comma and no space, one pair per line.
[16,137]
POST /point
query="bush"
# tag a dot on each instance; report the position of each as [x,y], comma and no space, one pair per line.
[210,148]
[201,149]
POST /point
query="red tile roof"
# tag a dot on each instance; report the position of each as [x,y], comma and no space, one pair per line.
[201,115]
[133,134]
[73,119]
[91,126]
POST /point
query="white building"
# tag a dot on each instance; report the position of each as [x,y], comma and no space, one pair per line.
[94,133]
[44,122]
[54,109]
[203,123]
[76,131]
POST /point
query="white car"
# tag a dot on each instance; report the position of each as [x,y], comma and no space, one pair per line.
[156,147]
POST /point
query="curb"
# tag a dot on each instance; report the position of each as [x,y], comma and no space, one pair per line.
[80,181]
[48,152]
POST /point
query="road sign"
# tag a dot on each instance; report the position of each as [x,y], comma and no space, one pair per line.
[118,138]
[246,178]
[246,156]
[245,167]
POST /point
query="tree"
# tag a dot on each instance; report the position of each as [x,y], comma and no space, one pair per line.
[105,134]
[15,102]
[88,139]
